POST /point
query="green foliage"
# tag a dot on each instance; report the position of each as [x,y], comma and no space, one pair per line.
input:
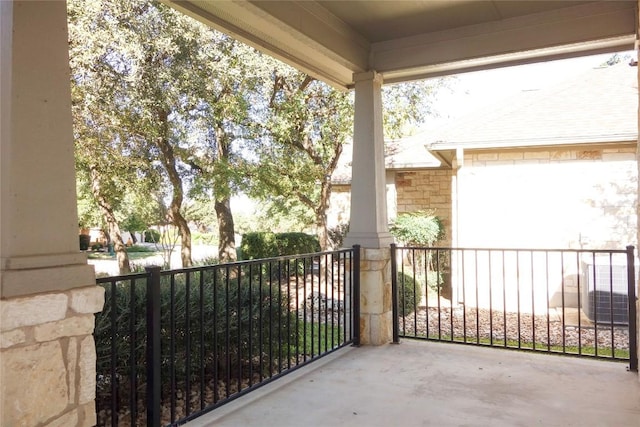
[409,293]
[139,248]
[417,228]
[242,321]
[267,245]
[152,236]
[337,234]
[85,240]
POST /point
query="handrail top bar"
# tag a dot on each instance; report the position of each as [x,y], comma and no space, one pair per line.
[122,278]
[594,251]
[142,275]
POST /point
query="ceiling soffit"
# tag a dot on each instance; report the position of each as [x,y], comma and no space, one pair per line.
[408,40]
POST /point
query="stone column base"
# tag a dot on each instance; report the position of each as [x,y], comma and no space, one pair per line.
[376,327]
[48,358]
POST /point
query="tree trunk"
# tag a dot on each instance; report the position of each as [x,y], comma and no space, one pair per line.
[119,247]
[321,215]
[168,159]
[227,240]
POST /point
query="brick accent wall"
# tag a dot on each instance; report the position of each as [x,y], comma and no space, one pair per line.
[424,190]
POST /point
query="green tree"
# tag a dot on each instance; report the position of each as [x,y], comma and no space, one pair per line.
[308,125]
[177,93]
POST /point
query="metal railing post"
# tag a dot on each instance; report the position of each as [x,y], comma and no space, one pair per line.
[356,296]
[394,294]
[631,297]
[153,347]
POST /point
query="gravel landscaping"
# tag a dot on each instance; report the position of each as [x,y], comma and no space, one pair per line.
[483,326]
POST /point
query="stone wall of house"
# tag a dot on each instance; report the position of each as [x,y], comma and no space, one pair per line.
[427,190]
[48,358]
[582,197]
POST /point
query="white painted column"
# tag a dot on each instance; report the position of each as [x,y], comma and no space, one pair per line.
[47,291]
[39,248]
[368,224]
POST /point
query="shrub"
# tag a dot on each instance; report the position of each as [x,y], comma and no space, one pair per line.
[152,236]
[85,240]
[409,294]
[337,234]
[417,228]
[229,323]
[267,245]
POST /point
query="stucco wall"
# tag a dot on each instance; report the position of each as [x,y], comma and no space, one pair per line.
[528,198]
[548,198]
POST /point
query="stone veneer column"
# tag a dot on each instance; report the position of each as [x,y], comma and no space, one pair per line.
[48,366]
[47,291]
[368,224]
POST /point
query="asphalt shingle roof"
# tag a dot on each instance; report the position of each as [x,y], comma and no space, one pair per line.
[599,105]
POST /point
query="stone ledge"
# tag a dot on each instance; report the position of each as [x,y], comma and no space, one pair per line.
[31,311]
[69,327]
[87,300]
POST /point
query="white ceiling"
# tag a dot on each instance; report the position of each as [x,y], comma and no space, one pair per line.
[406,40]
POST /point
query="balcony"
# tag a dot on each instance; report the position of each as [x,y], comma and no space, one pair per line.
[440,384]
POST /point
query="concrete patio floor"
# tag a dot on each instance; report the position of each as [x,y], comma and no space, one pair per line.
[438,384]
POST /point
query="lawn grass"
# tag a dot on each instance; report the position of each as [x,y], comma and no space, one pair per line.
[529,346]
[319,338]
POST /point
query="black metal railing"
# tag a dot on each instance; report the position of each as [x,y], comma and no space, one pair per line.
[172,345]
[575,302]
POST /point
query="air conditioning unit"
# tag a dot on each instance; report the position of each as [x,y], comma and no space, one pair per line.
[604,292]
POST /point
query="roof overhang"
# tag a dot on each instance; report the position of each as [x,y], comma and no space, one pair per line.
[408,40]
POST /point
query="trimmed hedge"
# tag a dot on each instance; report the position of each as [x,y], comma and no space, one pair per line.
[241,322]
[409,294]
[268,245]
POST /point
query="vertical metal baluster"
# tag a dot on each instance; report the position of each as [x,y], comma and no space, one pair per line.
[216,394]
[596,298]
[313,304]
[518,298]
[288,284]
[114,354]
[261,322]
[202,327]
[564,325]
[333,300]
[326,304]
[239,341]
[490,253]
[631,299]
[304,308]
[464,299]
[504,299]
[451,313]
[153,349]
[227,311]
[280,316]
[613,340]
[187,320]
[394,294]
[548,300]
[355,295]
[579,304]
[251,327]
[133,368]
[297,302]
[533,304]
[270,278]
[477,301]
[172,345]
